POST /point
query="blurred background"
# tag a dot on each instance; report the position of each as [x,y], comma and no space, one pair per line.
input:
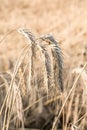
[66,20]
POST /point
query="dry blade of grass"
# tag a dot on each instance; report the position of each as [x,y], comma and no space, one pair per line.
[69,109]
[74,127]
[84,116]
[8,33]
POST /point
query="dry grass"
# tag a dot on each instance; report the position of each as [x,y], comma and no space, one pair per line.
[33,78]
[67,20]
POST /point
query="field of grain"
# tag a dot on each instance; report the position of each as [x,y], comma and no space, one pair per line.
[67,22]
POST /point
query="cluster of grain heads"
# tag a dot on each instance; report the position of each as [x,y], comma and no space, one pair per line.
[34,85]
[57,59]
[45,70]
